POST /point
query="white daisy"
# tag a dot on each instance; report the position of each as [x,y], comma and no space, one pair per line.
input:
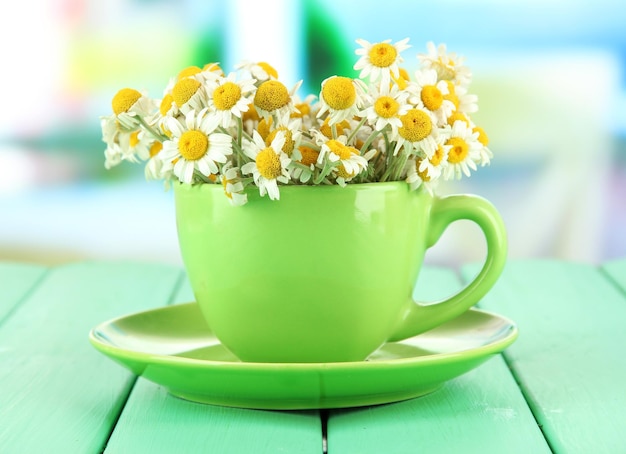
[229,98]
[293,135]
[386,106]
[431,94]
[349,161]
[448,65]
[129,105]
[417,178]
[342,97]
[269,165]
[233,187]
[305,166]
[380,60]
[418,128]
[195,146]
[273,99]
[485,153]
[436,158]
[261,71]
[464,151]
[189,94]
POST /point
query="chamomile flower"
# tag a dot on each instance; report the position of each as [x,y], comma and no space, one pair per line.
[273,99]
[485,153]
[350,162]
[417,130]
[435,159]
[136,145]
[380,60]
[448,65]
[431,94]
[342,97]
[463,101]
[195,145]
[464,151]
[154,166]
[189,94]
[305,166]
[417,178]
[261,71]
[386,107]
[129,106]
[229,97]
[269,165]
[233,187]
[293,134]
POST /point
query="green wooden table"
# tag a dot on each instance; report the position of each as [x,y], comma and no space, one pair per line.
[561,387]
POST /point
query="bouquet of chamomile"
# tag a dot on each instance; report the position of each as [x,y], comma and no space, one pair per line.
[248,131]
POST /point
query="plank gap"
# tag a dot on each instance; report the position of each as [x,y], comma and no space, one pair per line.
[118,415]
[324,419]
[527,397]
[24,297]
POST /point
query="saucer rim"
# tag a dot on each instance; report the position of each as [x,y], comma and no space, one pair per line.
[133,355]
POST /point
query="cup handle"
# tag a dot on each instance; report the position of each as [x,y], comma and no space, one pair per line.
[418,318]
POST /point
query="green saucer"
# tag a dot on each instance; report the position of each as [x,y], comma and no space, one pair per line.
[173,347]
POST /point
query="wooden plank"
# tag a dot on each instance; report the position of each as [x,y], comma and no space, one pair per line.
[146,423]
[569,357]
[58,394]
[16,280]
[481,411]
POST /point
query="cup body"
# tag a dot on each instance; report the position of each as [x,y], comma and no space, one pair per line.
[321,275]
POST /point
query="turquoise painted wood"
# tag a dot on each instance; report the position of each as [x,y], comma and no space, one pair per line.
[616,270]
[155,422]
[569,358]
[480,412]
[57,394]
[16,280]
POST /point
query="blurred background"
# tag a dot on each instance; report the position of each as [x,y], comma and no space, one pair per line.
[550,77]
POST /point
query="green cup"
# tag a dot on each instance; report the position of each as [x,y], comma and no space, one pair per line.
[326,273]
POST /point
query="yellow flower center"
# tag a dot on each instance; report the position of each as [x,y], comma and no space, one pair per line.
[184,90]
[188,72]
[339,93]
[482,135]
[343,151]
[193,145]
[309,155]
[134,139]
[269,69]
[431,97]
[423,174]
[271,95]
[457,116]
[124,100]
[416,125]
[437,156]
[250,114]
[264,127]
[402,79]
[343,173]
[166,104]
[268,163]
[303,109]
[339,127]
[444,72]
[155,148]
[383,55]
[386,107]
[289,142]
[226,96]
[451,96]
[459,150]
[212,67]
